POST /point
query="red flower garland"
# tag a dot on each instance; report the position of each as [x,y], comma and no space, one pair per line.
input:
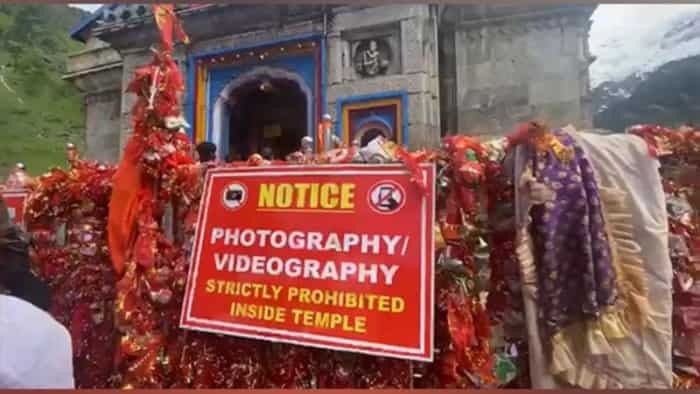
[79,273]
[141,296]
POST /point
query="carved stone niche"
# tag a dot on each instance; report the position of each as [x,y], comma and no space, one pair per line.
[371,57]
[374,52]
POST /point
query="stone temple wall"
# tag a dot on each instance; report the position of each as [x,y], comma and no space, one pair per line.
[102,122]
[412,34]
[415,70]
[463,71]
[97,72]
[511,69]
[206,36]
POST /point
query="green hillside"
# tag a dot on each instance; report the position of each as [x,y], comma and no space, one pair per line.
[39,112]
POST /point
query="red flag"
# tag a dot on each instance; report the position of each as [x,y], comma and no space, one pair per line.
[180,32]
[168,22]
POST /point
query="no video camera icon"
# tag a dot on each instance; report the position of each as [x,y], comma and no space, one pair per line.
[234,196]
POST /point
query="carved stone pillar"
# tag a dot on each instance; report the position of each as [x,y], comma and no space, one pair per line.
[96,72]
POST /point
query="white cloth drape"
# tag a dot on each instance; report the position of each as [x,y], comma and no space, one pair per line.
[622,161]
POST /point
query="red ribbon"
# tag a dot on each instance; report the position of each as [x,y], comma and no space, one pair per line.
[411,162]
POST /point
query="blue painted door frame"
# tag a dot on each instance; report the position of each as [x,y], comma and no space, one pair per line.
[304,65]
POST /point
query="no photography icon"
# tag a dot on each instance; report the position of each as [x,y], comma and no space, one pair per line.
[387,197]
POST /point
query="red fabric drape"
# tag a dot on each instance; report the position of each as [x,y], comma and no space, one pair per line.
[167,24]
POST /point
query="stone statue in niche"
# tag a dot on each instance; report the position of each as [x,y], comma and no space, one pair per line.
[371,58]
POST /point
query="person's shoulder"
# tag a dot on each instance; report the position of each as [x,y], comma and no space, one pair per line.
[16,312]
[16,305]
[35,349]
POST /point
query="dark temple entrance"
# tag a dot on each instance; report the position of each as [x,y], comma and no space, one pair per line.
[268,116]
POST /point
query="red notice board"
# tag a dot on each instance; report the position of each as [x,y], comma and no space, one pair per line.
[14,200]
[337,257]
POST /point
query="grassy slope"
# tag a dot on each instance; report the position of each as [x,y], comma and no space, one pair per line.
[44,112]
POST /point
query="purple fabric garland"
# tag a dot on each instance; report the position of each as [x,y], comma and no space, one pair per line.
[576,278]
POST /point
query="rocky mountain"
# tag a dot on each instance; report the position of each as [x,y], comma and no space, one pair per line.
[39,112]
[652,75]
[670,96]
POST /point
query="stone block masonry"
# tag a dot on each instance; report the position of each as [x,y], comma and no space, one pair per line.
[512,68]
[471,69]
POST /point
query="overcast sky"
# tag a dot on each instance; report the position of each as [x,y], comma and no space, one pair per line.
[623,37]
[629,38]
[87,7]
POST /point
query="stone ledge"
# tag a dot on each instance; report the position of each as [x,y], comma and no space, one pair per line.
[417,83]
[375,16]
[520,22]
[92,45]
[129,15]
[258,36]
[390,80]
[209,23]
[92,58]
[97,79]
[92,70]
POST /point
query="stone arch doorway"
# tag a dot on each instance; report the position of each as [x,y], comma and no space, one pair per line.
[266,109]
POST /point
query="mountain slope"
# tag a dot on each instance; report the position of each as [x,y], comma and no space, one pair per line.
[635,39]
[669,96]
[647,72]
[39,112]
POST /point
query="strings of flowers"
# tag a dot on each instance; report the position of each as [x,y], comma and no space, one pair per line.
[157,180]
[67,215]
[114,245]
[143,295]
[505,300]
[157,175]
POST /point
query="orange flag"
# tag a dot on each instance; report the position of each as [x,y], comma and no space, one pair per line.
[128,189]
[123,206]
[320,138]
